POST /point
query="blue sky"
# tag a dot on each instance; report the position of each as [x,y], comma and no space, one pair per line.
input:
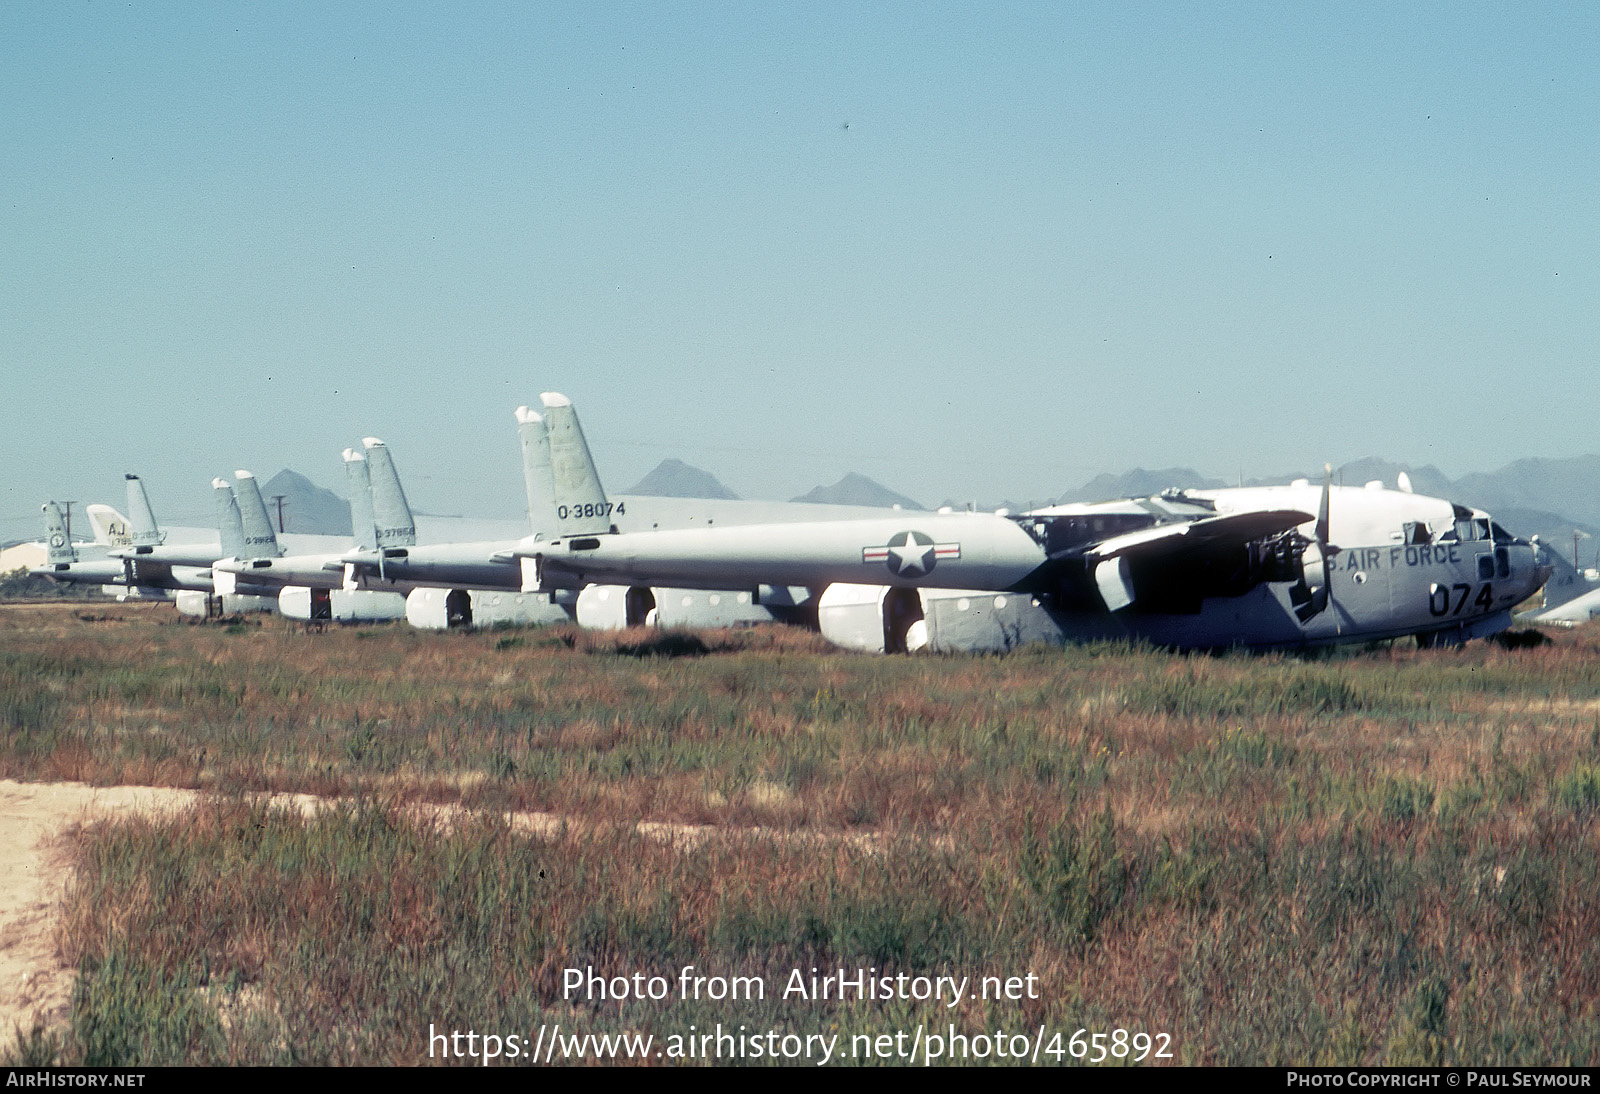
[968,250]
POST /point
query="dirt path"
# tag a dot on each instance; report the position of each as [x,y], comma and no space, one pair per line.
[35,985]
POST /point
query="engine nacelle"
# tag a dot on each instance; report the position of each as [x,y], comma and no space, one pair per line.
[873,618]
[440,609]
[977,621]
[145,592]
[340,605]
[878,618]
[700,608]
[615,607]
[205,606]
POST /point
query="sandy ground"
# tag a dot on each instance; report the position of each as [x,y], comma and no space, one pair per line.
[34,984]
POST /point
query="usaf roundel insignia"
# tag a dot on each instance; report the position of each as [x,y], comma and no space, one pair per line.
[911,554]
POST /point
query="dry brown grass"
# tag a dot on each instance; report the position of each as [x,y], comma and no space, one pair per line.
[1379,855]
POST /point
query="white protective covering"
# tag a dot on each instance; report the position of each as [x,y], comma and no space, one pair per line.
[193,602]
[346,605]
[426,609]
[852,616]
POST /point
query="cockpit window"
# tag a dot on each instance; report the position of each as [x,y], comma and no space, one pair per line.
[1469,531]
[1417,534]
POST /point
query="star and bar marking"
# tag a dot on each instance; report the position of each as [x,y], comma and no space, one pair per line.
[911,554]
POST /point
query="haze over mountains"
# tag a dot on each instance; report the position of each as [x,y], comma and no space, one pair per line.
[307,508]
[676,479]
[1548,498]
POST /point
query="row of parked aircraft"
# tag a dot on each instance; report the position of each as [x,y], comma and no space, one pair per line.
[1260,567]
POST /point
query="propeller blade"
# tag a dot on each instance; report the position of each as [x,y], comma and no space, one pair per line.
[1322,510]
[1314,592]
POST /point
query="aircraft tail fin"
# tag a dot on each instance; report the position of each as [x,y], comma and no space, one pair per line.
[395,525]
[260,541]
[230,525]
[580,500]
[143,528]
[536,473]
[110,527]
[57,544]
[356,474]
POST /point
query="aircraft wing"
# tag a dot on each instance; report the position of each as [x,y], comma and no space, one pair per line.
[1109,559]
[1172,539]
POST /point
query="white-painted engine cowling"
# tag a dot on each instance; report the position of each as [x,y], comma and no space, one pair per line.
[616,607]
[432,609]
[852,616]
[193,602]
[345,605]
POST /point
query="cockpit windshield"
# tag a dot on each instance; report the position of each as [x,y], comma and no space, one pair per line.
[1467,530]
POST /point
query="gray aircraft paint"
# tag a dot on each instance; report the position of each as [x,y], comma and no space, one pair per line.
[1351,573]
[143,566]
[57,547]
[1569,613]
[580,501]
[230,525]
[536,472]
[67,563]
[362,520]
[483,566]
[390,510]
[260,541]
[143,529]
[923,550]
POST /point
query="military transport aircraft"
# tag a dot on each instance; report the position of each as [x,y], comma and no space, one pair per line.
[139,559]
[1262,567]
[464,583]
[143,559]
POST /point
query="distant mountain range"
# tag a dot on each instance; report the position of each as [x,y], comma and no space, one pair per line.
[676,479]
